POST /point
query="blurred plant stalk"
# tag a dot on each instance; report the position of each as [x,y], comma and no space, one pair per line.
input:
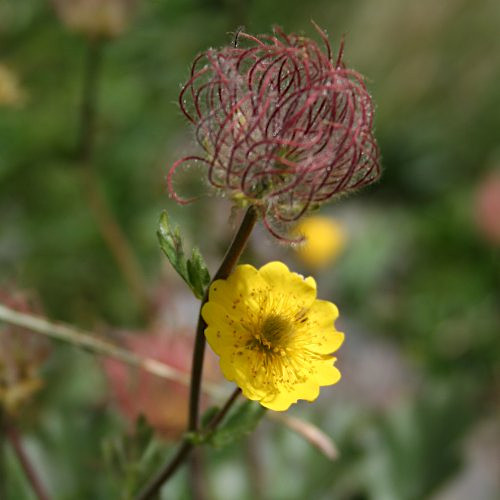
[111,231]
[13,438]
[21,356]
[90,342]
[100,21]
[315,436]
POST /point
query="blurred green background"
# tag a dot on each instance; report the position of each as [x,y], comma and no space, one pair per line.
[91,131]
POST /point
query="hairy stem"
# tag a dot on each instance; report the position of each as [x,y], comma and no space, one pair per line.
[230,260]
[108,226]
[116,241]
[29,471]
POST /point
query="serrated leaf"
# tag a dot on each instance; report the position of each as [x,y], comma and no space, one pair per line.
[171,244]
[241,422]
[194,270]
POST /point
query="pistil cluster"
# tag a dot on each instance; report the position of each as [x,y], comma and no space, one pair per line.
[282,125]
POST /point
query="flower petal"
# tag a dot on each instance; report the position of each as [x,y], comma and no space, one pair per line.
[240,285]
[321,333]
[327,373]
[284,282]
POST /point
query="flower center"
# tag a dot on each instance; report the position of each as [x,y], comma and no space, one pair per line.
[276,332]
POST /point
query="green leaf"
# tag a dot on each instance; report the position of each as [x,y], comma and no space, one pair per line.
[198,274]
[194,270]
[241,422]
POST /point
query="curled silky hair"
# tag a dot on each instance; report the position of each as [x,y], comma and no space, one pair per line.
[281,124]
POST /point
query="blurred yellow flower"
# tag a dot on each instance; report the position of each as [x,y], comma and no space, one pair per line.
[273,336]
[10,90]
[324,240]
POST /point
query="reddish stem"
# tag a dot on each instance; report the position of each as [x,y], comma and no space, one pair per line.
[15,441]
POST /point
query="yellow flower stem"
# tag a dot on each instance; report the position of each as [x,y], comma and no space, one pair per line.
[230,260]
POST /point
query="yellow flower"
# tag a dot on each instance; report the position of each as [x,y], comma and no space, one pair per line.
[273,336]
[324,240]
